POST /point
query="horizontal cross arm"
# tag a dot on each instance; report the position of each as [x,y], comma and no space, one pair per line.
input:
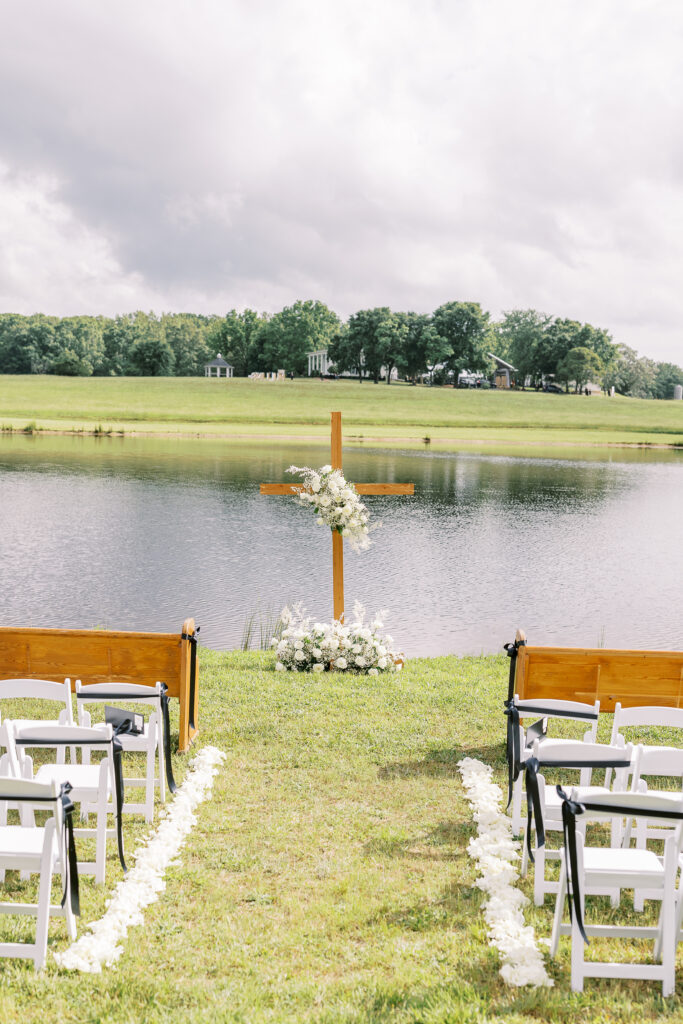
[385,488]
[361,488]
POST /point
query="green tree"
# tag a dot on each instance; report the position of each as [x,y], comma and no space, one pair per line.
[236,336]
[667,375]
[287,337]
[15,352]
[630,374]
[422,346]
[465,328]
[520,340]
[580,365]
[78,346]
[188,335]
[369,340]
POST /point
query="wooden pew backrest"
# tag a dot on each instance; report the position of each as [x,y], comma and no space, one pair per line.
[101,656]
[594,673]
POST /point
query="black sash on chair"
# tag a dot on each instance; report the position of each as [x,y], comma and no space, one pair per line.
[570,810]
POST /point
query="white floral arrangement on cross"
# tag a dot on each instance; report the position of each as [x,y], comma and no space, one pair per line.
[306,646]
[335,502]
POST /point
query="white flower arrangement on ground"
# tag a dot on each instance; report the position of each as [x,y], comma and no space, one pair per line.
[143,883]
[335,502]
[497,853]
[306,646]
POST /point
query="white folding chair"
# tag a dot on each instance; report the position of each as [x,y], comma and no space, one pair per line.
[520,741]
[544,802]
[152,741]
[594,870]
[643,717]
[38,689]
[47,850]
[98,788]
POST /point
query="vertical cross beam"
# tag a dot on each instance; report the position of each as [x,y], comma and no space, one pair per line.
[337,539]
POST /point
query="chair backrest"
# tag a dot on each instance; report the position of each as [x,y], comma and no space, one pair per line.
[569,710]
[62,735]
[27,789]
[107,692]
[633,805]
[585,756]
[662,761]
[625,718]
[38,689]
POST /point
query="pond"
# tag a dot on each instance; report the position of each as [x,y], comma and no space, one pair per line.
[139,534]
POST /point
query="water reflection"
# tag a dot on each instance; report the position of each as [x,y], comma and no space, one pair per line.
[138,534]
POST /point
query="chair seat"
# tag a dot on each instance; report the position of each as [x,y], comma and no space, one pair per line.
[17,841]
[631,862]
[81,776]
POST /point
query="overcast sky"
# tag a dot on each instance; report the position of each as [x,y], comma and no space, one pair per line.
[200,155]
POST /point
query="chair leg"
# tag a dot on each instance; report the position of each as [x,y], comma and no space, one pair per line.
[44,894]
[539,876]
[577,951]
[149,785]
[162,763]
[101,837]
[559,908]
[517,792]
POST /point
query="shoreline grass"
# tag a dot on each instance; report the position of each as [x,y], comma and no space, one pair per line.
[373,414]
[328,880]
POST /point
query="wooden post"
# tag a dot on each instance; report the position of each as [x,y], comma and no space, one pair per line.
[336,446]
[338,575]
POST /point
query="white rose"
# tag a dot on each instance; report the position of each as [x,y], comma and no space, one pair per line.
[318,667]
[373,672]
[325,469]
[356,648]
[360,661]
[320,522]
[340,663]
[299,655]
[324,501]
[279,667]
[298,644]
[316,652]
[382,663]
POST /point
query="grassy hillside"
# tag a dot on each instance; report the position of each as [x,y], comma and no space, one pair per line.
[397,413]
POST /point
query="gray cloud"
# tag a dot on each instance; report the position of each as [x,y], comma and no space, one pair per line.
[218,154]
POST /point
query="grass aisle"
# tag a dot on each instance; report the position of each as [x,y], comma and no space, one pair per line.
[327,879]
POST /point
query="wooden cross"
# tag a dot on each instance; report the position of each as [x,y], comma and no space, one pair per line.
[337,538]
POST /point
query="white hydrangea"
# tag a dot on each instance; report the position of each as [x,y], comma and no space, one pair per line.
[315,646]
[335,503]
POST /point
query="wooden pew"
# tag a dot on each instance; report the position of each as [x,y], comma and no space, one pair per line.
[634,678]
[101,656]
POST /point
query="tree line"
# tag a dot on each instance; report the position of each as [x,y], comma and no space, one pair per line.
[456,337]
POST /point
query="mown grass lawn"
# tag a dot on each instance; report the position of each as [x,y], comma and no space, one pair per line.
[242,408]
[328,879]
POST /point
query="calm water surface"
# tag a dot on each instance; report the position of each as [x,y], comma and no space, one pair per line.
[139,534]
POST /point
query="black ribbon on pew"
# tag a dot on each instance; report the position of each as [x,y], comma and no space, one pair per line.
[194,640]
[117,754]
[533,796]
[570,810]
[167,738]
[513,751]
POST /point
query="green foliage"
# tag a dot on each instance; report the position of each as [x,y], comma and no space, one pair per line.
[236,337]
[287,337]
[464,327]
[632,375]
[520,339]
[580,365]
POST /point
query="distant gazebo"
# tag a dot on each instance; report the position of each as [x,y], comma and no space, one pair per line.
[218,365]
